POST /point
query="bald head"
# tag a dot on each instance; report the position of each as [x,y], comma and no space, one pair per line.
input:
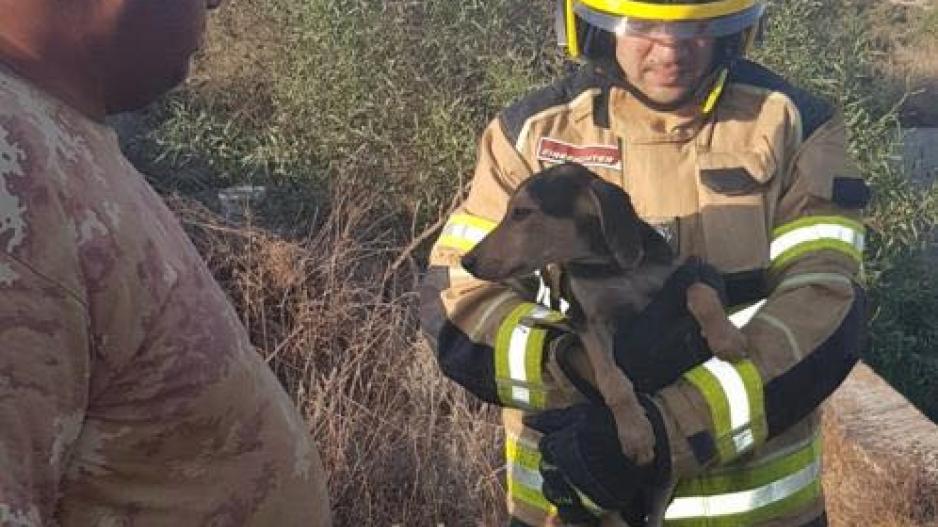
[102,56]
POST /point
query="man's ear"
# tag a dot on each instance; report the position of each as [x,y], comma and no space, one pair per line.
[620,224]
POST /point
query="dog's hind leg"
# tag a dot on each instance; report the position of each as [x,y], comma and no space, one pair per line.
[635,432]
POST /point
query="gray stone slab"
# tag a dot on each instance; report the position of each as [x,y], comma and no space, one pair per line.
[920,154]
[885,425]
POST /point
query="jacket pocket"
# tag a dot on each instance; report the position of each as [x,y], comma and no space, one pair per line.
[733,189]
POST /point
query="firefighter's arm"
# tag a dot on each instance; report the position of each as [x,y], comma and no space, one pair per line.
[483,333]
[804,339]
[44,375]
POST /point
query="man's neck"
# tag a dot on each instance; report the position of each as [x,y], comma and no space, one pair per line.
[58,71]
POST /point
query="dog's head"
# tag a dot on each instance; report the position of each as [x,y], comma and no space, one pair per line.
[565,214]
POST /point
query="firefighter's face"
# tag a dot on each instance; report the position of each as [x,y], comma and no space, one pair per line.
[665,69]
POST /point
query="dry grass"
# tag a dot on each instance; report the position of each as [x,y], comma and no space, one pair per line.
[400,443]
[907,34]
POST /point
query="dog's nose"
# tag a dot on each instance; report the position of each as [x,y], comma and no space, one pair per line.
[469,261]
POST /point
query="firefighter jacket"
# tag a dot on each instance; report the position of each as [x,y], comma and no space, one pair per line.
[762,189]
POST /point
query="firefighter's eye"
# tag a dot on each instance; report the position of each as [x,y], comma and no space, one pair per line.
[520,213]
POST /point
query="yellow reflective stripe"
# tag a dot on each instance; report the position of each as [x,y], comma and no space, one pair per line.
[814,246]
[709,387]
[456,242]
[508,392]
[524,478]
[669,12]
[523,464]
[519,352]
[522,453]
[734,394]
[814,233]
[588,503]
[464,231]
[808,221]
[531,497]
[749,476]
[715,92]
[573,45]
[755,391]
[782,496]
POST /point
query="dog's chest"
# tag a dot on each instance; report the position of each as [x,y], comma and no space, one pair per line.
[610,299]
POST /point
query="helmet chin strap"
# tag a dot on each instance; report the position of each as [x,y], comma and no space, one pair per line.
[708,91]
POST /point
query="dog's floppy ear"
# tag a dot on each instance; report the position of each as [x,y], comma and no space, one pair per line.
[620,225]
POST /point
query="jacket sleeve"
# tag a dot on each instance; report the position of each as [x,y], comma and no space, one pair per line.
[804,338]
[44,375]
[485,335]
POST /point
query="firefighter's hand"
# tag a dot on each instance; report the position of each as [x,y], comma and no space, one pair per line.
[584,469]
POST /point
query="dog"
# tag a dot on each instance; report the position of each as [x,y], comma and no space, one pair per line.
[613,264]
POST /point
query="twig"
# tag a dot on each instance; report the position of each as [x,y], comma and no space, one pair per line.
[426,234]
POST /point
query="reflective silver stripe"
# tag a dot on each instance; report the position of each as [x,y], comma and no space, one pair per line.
[543,292]
[518,350]
[820,231]
[531,479]
[764,459]
[743,501]
[543,295]
[743,316]
[466,232]
[738,399]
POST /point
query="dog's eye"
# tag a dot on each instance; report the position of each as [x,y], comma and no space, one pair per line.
[518,213]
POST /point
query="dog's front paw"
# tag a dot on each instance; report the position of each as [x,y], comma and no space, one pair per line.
[730,345]
[635,434]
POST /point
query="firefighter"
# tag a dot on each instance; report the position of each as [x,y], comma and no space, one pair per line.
[735,166]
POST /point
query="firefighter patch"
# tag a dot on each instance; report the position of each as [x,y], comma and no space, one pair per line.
[554,151]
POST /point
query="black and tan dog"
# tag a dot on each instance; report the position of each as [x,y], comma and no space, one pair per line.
[613,263]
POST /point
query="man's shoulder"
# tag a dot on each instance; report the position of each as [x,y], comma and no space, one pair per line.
[48,169]
[813,110]
[578,88]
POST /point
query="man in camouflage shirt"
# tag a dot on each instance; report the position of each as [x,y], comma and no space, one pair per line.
[129,391]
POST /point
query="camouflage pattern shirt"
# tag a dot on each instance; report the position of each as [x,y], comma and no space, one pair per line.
[129,391]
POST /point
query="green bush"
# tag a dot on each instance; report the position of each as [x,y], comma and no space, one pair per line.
[394,93]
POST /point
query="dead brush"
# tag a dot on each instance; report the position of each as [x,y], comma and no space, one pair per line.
[401,444]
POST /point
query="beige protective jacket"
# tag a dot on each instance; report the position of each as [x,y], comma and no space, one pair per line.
[762,189]
[129,392]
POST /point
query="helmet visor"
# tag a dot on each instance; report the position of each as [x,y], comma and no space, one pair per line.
[673,29]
